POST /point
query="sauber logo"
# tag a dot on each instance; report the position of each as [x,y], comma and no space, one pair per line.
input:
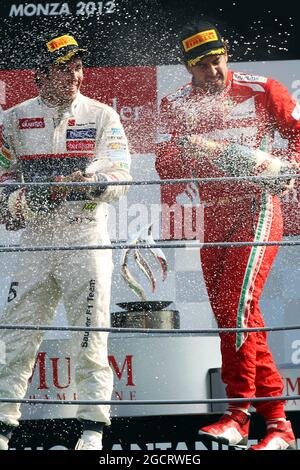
[31,123]
[199,39]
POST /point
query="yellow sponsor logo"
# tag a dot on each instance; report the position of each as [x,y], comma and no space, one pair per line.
[7,154]
[199,39]
[61,41]
[116,146]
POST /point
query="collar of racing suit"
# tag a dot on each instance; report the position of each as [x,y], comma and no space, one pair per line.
[57,113]
[197,91]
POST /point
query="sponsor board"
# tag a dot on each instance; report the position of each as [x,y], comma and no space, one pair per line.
[138,374]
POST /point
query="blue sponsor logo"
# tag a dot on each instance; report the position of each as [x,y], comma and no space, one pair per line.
[4,142]
[116,131]
[81,133]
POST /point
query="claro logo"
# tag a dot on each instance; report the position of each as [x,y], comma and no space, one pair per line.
[32,123]
[56,372]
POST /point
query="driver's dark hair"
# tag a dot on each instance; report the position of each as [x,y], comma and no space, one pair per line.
[41,70]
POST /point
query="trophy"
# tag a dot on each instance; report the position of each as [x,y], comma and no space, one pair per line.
[144,313]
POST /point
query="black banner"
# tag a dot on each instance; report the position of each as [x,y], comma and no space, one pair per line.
[144,32]
[170,433]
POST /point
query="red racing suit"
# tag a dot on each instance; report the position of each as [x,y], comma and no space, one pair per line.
[249,112]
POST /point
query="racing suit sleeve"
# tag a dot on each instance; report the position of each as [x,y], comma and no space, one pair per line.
[8,174]
[285,113]
[112,162]
[8,161]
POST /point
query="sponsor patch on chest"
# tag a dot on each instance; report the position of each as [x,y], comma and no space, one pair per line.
[77,145]
[89,133]
[116,131]
[32,123]
[247,77]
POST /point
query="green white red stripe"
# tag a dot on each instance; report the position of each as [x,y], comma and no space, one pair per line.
[254,262]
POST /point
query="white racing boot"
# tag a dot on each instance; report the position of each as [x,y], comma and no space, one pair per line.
[279,436]
[3,442]
[89,440]
[232,429]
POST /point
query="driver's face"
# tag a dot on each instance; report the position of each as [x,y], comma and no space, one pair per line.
[210,74]
[64,80]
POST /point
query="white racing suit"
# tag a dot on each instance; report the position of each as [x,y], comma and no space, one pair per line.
[40,143]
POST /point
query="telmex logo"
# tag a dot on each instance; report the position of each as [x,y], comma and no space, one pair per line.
[81,133]
[80,145]
[199,39]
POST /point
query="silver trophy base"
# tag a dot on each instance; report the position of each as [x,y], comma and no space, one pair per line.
[146,314]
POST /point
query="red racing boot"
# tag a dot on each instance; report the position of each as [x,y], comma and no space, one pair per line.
[279,436]
[232,429]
